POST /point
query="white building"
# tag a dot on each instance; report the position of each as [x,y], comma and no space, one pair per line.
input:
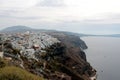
[1,54]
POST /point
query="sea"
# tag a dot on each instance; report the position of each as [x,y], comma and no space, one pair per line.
[103,54]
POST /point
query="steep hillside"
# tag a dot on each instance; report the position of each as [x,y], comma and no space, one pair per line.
[51,55]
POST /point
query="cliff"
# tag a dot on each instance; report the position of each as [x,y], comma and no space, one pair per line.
[59,57]
[75,58]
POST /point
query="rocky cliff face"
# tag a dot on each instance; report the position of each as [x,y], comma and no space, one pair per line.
[61,58]
[76,61]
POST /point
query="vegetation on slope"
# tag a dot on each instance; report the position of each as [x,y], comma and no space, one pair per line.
[15,73]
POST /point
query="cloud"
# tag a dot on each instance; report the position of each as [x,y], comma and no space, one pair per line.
[105,18]
[113,16]
[21,18]
[59,10]
[10,8]
[17,4]
[63,14]
[52,3]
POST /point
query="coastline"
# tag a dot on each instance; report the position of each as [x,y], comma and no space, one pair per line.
[94,77]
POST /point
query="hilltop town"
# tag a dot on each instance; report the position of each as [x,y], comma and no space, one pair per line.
[28,43]
[50,55]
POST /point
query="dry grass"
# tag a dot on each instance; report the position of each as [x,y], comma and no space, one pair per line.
[15,73]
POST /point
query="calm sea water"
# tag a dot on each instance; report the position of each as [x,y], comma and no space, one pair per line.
[104,55]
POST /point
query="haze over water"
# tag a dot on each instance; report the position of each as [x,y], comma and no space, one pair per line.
[104,55]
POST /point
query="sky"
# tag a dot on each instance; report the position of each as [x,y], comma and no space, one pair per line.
[81,16]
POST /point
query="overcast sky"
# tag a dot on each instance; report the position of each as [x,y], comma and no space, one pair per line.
[82,16]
